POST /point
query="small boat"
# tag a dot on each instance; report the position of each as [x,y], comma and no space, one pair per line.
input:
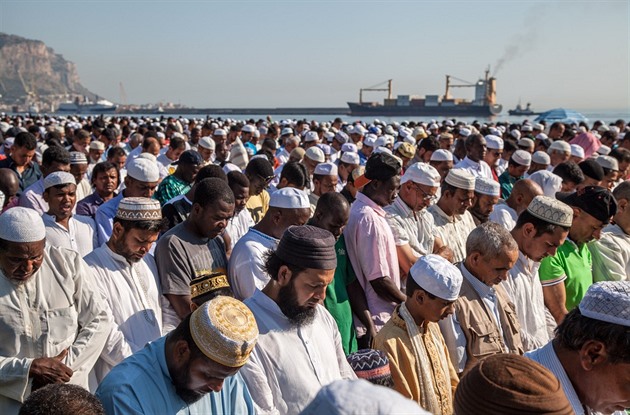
[519,110]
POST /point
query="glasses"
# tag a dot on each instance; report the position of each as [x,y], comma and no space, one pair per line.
[426,196]
[267,179]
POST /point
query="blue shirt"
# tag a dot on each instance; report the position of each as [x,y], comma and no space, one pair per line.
[142,384]
[105,218]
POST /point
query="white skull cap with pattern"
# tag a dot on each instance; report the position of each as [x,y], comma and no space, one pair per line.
[488,187]
[139,209]
[551,210]
[57,178]
[21,224]
[421,173]
[461,179]
[608,301]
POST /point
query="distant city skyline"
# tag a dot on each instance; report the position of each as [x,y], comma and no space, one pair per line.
[572,54]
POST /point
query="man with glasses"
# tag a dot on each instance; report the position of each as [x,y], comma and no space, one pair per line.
[412,225]
[260,173]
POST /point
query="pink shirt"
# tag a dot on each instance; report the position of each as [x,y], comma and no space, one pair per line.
[372,252]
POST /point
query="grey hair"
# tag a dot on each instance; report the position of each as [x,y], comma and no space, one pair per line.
[622,191]
[490,239]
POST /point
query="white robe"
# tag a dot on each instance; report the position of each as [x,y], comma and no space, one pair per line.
[247,261]
[79,237]
[453,230]
[611,255]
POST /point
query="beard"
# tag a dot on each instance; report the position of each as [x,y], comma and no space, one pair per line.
[121,249]
[180,381]
[296,313]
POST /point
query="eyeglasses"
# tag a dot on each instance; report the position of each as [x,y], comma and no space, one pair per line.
[267,179]
[426,196]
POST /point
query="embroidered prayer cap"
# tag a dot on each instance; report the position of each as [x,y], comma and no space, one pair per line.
[139,209]
[559,145]
[421,173]
[486,186]
[436,275]
[442,155]
[406,150]
[594,200]
[316,154]
[608,162]
[76,157]
[207,284]
[510,384]
[522,158]
[349,147]
[219,132]
[308,247]
[20,224]
[97,145]
[526,142]
[608,301]
[57,178]
[461,179]
[371,365]
[189,157]
[289,198]
[577,151]
[310,136]
[326,169]
[551,210]
[143,170]
[603,150]
[494,142]
[325,148]
[207,143]
[225,330]
[540,157]
[350,158]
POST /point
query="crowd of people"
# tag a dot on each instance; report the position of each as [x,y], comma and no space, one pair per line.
[219,266]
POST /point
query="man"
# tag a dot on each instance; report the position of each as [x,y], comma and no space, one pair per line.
[78,168]
[325,179]
[567,275]
[176,148]
[63,229]
[506,212]
[206,148]
[475,152]
[556,131]
[299,348]
[241,221]
[559,152]
[105,182]
[194,369]
[348,161]
[484,322]
[291,142]
[21,160]
[141,180]
[412,225]
[127,278]
[487,194]
[425,150]
[540,161]
[589,354]
[571,176]
[54,159]
[287,206]
[517,167]
[493,155]
[593,174]
[370,241]
[260,173]
[193,248]
[453,221]
[178,183]
[9,187]
[53,323]
[539,231]
[418,357]
[95,152]
[442,161]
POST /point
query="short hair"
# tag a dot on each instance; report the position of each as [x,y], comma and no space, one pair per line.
[115,152]
[148,140]
[330,203]
[577,329]
[25,140]
[177,142]
[102,167]
[429,144]
[622,191]
[295,173]
[273,264]
[155,225]
[211,170]
[412,286]
[182,332]
[55,154]
[448,188]
[109,134]
[509,146]
[490,239]
[259,167]
[621,154]
[81,134]
[236,178]
[212,190]
[569,171]
[62,399]
[541,226]
[471,139]
[555,125]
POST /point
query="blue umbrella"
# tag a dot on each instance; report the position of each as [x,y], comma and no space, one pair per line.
[562,115]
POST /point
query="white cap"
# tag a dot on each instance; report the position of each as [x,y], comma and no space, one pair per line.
[526,142]
[248,128]
[465,132]
[350,158]
[316,154]
[77,157]
[219,132]
[494,131]
[382,149]
[540,157]
[289,198]
[603,150]
[551,210]
[147,156]
[8,142]
[559,145]
[539,127]
[97,145]
[326,169]
[461,179]
[608,162]
[370,140]
[516,134]
[57,178]
[143,170]
[437,276]
[421,173]
[542,136]
[577,151]
[607,301]
[494,142]
[325,148]
[442,155]
[228,167]
[342,137]
[207,143]
[602,128]
[20,224]
[351,147]
[527,128]
[522,157]
[486,186]
[310,136]
[286,131]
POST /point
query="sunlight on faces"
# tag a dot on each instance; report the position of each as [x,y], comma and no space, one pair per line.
[61,200]
[19,261]
[132,244]
[212,220]
[538,247]
[106,182]
[136,188]
[300,294]
[492,270]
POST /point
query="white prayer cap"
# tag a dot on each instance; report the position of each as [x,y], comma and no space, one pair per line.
[608,301]
[539,127]
[494,142]
[329,136]
[526,142]
[316,154]
[77,157]
[350,157]
[143,170]
[494,131]
[382,149]
[326,169]
[542,136]
[97,145]
[603,128]
[409,139]
[603,150]
[8,142]
[325,148]
[286,131]
[433,126]
[608,162]
[370,140]
[527,128]
[147,156]
[351,147]
[559,145]
[442,155]
[522,157]
[421,173]
[342,137]
[228,167]
[57,178]
[138,209]
[540,157]
[486,186]
[551,210]
[289,198]
[461,179]
[577,151]
[436,275]
[516,134]
[248,128]
[161,135]
[549,182]
[310,136]
[20,224]
[464,132]
[219,132]
[207,143]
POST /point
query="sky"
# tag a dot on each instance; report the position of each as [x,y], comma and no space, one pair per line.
[224,54]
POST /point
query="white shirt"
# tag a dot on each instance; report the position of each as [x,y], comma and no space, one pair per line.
[246,268]
[57,308]
[525,290]
[133,297]
[453,230]
[477,169]
[503,215]
[291,363]
[79,237]
[238,226]
[418,234]
[84,189]
[611,255]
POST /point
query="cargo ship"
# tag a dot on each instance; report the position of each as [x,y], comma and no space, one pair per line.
[483,105]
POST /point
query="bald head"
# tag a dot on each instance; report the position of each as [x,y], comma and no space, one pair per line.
[9,185]
[523,192]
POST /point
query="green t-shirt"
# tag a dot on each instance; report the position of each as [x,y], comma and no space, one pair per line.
[507,183]
[337,301]
[573,263]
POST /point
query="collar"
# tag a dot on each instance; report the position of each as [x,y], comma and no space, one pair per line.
[269,305]
[363,199]
[469,161]
[264,235]
[480,288]
[116,257]
[402,207]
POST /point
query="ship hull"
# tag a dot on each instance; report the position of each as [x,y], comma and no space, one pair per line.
[87,109]
[414,111]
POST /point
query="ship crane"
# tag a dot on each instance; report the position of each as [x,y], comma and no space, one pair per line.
[449,85]
[377,88]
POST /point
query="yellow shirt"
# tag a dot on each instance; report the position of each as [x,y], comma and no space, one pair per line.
[258,206]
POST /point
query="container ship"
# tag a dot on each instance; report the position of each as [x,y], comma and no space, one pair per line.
[484,104]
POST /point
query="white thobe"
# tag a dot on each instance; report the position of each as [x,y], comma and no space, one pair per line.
[133,297]
[84,189]
[290,363]
[418,233]
[503,215]
[525,290]
[246,268]
[57,308]
[453,230]
[238,226]
[79,237]
[477,169]
[611,255]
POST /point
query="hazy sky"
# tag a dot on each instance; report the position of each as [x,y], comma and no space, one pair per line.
[319,53]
